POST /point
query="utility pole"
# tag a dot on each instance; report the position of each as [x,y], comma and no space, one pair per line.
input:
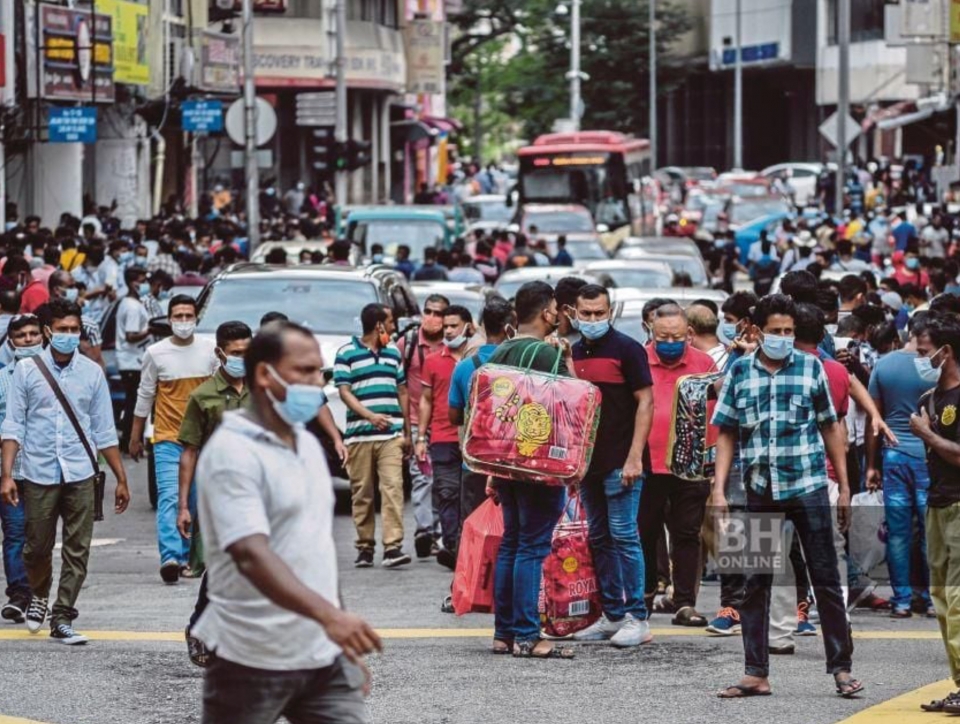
[843,98]
[340,129]
[575,102]
[738,94]
[250,131]
[653,84]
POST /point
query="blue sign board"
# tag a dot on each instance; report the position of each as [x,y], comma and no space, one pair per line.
[72,125]
[752,53]
[202,116]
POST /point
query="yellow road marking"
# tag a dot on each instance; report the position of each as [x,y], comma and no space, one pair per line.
[904,709]
[435,633]
[17,720]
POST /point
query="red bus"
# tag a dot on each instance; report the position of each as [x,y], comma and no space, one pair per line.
[607,172]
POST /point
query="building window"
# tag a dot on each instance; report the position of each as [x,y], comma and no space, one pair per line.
[388,13]
[866,20]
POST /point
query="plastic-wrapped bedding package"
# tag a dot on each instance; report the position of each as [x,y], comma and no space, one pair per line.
[692,451]
[530,426]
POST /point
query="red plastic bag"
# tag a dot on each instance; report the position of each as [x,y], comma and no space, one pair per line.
[477,559]
[531,426]
[569,594]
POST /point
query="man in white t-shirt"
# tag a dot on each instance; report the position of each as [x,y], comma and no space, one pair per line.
[133,337]
[282,645]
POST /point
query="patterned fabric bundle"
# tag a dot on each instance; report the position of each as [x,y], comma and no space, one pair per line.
[692,452]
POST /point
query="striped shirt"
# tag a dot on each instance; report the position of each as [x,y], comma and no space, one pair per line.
[374,379]
[777,416]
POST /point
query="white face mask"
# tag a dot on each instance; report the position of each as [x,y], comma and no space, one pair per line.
[183,330]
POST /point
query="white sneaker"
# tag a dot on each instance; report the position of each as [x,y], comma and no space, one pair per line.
[601,630]
[633,632]
[64,634]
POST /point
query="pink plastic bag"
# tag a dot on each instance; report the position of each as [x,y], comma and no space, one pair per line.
[477,559]
[569,594]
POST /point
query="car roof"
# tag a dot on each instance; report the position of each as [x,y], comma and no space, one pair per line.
[608,264]
[534,273]
[311,271]
[398,213]
[485,198]
[631,297]
[554,208]
[440,287]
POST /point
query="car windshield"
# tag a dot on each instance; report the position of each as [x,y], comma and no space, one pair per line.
[687,265]
[391,233]
[507,288]
[746,211]
[558,222]
[748,189]
[471,300]
[639,278]
[487,211]
[580,250]
[632,326]
[327,306]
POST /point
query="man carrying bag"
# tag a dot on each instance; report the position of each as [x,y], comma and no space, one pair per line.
[58,402]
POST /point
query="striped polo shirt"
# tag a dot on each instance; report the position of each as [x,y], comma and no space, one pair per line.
[373,378]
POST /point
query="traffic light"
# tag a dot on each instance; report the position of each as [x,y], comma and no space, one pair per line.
[324,150]
[357,155]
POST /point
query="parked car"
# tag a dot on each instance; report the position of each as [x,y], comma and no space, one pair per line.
[687,263]
[510,281]
[636,246]
[487,211]
[472,296]
[390,226]
[628,305]
[802,177]
[634,274]
[292,248]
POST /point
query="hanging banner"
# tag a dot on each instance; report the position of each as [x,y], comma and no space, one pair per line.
[77,55]
[130,40]
[425,66]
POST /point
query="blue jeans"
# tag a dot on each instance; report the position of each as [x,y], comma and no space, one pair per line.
[14,524]
[530,513]
[906,481]
[615,543]
[166,460]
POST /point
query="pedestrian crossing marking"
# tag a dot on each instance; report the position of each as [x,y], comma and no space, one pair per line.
[903,709]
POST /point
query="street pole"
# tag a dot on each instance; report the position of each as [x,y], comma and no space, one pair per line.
[250,131]
[477,115]
[738,95]
[575,102]
[340,129]
[843,98]
[653,84]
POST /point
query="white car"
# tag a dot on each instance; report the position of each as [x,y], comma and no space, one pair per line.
[803,179]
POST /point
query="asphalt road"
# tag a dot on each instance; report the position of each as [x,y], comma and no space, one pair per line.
[435,668]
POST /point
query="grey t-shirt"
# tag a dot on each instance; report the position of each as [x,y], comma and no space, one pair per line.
[897,385]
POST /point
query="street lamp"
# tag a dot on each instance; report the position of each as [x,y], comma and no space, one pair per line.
[575,75]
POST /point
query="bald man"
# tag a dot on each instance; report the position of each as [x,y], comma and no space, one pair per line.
[703,322]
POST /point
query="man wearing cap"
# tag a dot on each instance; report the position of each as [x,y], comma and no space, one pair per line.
[893,303]
[801,255]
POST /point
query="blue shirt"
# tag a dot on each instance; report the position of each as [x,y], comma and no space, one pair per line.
[902,233]
[50,450]
[6,378]
[896,386]
[463,375]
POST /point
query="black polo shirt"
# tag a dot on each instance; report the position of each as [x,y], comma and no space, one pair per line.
[617,364]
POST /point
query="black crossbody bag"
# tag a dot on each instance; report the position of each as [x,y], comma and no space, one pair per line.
[99,477]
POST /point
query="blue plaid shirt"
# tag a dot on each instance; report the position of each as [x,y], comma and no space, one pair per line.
[778,417]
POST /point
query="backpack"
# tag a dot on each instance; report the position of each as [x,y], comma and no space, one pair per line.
[411,339]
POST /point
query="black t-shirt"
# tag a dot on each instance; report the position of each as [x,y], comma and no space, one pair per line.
[944,476]
[617,364]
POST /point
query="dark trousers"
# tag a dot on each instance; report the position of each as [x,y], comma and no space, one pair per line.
[46,506]
[447,464]
[473,491]
[131,383]
[202,602]
[812,519]
[236,694]
[681,504]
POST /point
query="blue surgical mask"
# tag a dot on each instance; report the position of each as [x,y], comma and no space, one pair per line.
[144,289]
[126,257]
[71,294]
[141,262]
[926,370]
[236,368]
[594,330]
[165,294]
[670,352]
[302,404]
[776,346]
[456,342]
[377,258]
[727,332]
[24,352]
[64,342]
[912,263]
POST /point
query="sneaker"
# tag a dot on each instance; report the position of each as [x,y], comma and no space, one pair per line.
[727,622]
[36,614]
[14,609]
[633,632]
[170,572]
[804,627]
[364,560]
[447,605]
[394,558]
[64,634]
[602,629]
[422,543]
[447,559]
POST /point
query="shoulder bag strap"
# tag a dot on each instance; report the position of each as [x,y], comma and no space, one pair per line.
[68,409]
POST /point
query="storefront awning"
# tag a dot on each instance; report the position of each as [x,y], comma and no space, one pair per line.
[904,119]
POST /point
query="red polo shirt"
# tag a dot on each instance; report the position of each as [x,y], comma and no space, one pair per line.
[34,295]
[415,369]
[437,373]
[693,362]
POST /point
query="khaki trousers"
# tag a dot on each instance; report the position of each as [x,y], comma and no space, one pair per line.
[943,555]
[371,463]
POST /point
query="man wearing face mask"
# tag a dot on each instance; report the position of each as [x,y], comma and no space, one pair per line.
[611,488]
[24,338]
[369,374]
[283,645]
[114,263]
[93,278]
[172,369]
[666,498]
[566,293]
[415,347]
[58,465]
[33,293]
[775,405]
[439,434]
[223,392]
[133,337]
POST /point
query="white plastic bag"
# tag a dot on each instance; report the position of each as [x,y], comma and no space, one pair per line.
[868,530]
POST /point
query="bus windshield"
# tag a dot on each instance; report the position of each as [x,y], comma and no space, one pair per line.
[594,180]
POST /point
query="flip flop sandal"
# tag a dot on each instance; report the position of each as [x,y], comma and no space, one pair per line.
[937,705]
[688,616]
[199,653]
[527,650]
[745,692]
[501,650]
[855,687]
